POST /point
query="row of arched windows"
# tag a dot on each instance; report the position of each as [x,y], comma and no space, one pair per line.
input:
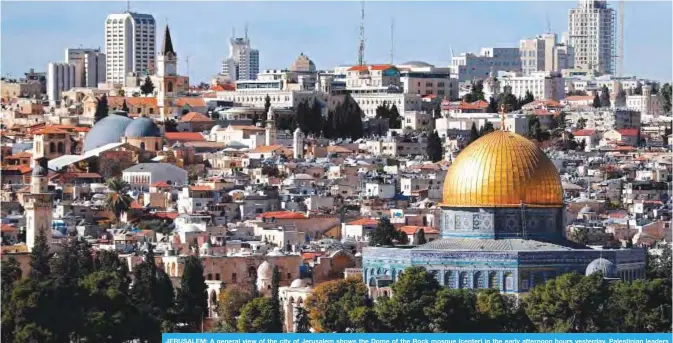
[53,147]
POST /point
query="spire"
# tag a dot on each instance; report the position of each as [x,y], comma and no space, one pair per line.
[503,116]
[167,45]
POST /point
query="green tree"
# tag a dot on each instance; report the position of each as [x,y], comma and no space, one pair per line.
[486,129]
[385,234]
[11,276]
[579,235]
[121,92]
[499,312]
[125,107]
[153,296]
[267,106]
[660,266]
[528,98]
[474,134]
[492,105]
[665,95]
[437,111]
[101,109]
[581,123]
[156,225]
[28,317]
[192,297]
[478,90]
[434,149]
[569,303]
[405,310]
[382,111]
[640,306]
[620,98]
[171,125]
[301,321]
[256,316]
[364,320]
[605,97]
[147,87]
[108,314]
[118,201]
[332,304]
[597,101]
[40,268]
[276,312]
[419,237]
[230,303]
[395,118]
[454,310]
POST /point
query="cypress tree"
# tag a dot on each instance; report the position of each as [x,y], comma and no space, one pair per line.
[40,269]
[101,109]
[276,313]
[420,237]
[192,298]
[434,149]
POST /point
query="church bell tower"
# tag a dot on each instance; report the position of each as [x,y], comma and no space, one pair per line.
[38,204]
[167,72]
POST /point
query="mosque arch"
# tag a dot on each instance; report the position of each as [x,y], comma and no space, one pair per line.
[509,282]
[462,281]
[61,147]
[52,147]
[449,279]
[493,280]
[478,281]
[213,297]
[142,145]
[372,281]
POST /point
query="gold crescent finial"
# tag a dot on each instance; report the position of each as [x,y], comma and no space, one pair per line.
[503,116]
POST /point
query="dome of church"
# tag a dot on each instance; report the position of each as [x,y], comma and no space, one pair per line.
[264,271]
[607,268]
[142,127]
[109,130]
[502,169]
[298,283]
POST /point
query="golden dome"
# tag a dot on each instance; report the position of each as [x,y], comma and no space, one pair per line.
[502,169]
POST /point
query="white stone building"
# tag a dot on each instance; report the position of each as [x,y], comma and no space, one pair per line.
[130,45]
[242,62]
[60,78]
[591,32]
[543,85]
[89,66]
[468,66]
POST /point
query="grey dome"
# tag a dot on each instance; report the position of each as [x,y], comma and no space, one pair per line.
[142,127]
[109,130]
[607,268]
[416,64]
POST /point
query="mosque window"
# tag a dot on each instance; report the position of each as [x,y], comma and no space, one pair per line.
[478,281]
[509,282]
[493,280]
[462,282]
[449,280]
[525,280]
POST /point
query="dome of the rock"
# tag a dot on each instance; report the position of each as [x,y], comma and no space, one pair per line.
[502,169]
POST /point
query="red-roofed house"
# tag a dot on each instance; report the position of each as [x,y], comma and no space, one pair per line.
[589,137]
[479,106]
[358,229]
[174,137]
[195,122]
[192,104]
[626,136]
[430,232]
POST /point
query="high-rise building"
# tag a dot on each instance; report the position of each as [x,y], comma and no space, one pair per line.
[468,66]
[60,77]
[89,66]
[129,45]
[543,53]
[591,32]
[242,62]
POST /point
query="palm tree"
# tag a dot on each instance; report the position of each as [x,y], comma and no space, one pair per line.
[118,201]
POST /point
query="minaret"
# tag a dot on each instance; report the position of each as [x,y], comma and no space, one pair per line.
[270,128]
[38,204]
[298,144]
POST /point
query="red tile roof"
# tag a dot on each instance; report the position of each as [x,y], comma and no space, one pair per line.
[7,228]
[579,98]
[184,136]
[585,132]
[372,67]
[18,155]
[166,215]
[160,184]
[411,229]
[195,117]
[477,105]
[191,101]
[282,215]
[628,132]
[136,206]
[363,222]
[20,169]
[200,188]
[542,112]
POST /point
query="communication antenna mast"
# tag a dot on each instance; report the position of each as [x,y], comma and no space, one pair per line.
[392,41]
[187,63]
[620,42]
[246,32]
[128,6]
[548,24]
[361,48]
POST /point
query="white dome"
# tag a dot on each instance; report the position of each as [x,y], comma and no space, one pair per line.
[604,266]
[215,128]
[264,271]
[298,283]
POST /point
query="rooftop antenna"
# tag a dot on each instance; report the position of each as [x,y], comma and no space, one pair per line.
[245,32]
[187,63]
[361,48]
[233,32]
[392,41]
[128,6]
[548,24]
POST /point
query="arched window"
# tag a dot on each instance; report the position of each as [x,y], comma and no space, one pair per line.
[509,282]
[462,282]
[52,147]
[156,146]
[61,147]
[169,88]
[493,280]
[478,281]
[450,280]
[142,145]
[210,276]
[217,276]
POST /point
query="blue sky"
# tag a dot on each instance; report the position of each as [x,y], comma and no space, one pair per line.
[36,33]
